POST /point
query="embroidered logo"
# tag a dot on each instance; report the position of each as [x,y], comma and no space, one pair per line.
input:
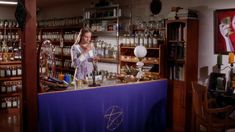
[113,117]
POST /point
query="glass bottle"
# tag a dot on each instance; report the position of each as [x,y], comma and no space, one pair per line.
[8,71]
[2,72]
[155,41]
[9,89]
[14,71]
[136,41]
[19,71]
[14,102]
[3,103]
[9,103]
[3,89]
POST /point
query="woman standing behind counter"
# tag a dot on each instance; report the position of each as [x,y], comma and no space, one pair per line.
[83,55]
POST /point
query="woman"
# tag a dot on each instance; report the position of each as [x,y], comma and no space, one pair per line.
[83,55]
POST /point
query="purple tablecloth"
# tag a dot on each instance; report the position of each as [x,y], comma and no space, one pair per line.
[139,107]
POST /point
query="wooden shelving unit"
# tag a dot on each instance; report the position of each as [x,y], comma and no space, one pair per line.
[181,70]
[153,59]
[10,67]
[11,86]
[108,21]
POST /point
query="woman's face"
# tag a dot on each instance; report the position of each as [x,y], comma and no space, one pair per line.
[86,38]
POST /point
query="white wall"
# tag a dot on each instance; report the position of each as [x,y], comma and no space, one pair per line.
[63,11]
[7,12]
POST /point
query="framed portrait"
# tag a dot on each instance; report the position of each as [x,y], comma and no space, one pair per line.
[224,31]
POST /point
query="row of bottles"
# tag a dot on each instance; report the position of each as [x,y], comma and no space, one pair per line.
[9,36]
[66,64]
[10,57]
[104,26]
[50,35]
[60,22]
[10,102]
[10,87]
[146,39]
[115,12]
[58,50]
[10,51]
[57,36]
[66,50]
[102,75]
[8,23]
[58,62]
[105,50]
[10,71]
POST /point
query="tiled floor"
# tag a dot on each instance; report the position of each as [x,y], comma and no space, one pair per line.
[9,122]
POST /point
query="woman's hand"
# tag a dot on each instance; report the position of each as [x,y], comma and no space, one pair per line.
[86,47]
[96,58]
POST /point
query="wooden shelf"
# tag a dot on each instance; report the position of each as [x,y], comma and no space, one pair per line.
[58,68]
[57,42]
[68,57]
[108,18]
[10,62]
[71,27]
[104,33]
[4,95]
[12,110]
[9,28]
[108,60]
[15,64]
[135,61]
[131,47]
[181,70]
[68,42]
[102,7]
[10,78]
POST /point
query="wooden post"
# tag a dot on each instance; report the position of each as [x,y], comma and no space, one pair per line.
[29,68]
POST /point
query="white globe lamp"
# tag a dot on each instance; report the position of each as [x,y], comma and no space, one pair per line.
[140,52]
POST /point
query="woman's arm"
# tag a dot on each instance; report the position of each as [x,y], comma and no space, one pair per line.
[77,57]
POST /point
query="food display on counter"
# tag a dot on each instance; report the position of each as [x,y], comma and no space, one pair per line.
[128,74]
[50,84]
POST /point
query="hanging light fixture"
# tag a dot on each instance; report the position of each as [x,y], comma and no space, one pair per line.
[8,2]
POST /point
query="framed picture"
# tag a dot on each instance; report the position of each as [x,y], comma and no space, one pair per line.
[224,31]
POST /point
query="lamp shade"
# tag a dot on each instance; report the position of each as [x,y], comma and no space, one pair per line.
[140,51]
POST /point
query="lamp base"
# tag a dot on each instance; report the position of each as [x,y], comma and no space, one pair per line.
[94,85]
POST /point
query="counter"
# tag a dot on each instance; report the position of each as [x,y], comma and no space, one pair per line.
[132,107]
